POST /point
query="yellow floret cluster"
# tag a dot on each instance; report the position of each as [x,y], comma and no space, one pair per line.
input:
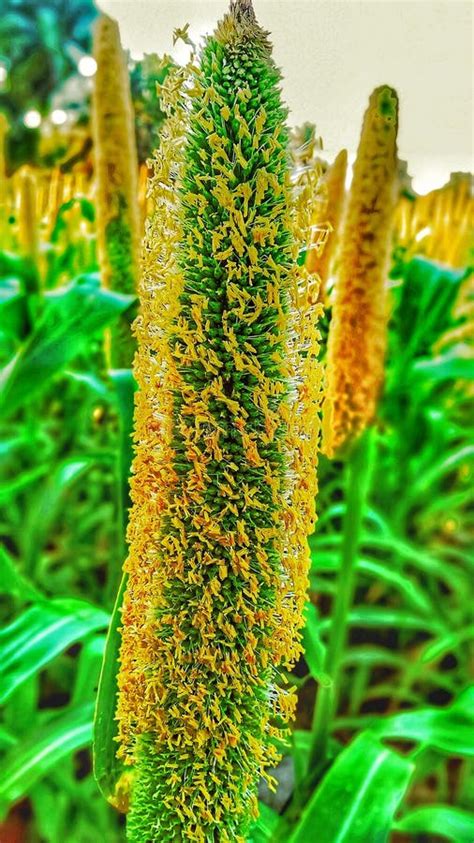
[357,338]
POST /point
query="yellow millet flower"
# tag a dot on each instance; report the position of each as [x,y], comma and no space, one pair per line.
[357,336]
[226,432]
[116,174]
[439,224]
[329,217]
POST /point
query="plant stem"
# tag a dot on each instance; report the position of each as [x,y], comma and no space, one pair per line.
[357,484]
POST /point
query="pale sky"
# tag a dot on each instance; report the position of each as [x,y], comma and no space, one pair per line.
[334,52]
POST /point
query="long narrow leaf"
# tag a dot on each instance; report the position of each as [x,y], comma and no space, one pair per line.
[71,316]
[39,634]
[30,760]
[357,799]
[107,768]
[440,821]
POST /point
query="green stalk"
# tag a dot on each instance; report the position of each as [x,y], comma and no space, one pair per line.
[357,486]
[107,767]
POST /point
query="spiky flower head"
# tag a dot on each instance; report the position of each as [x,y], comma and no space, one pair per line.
[438,224]
[358,332]
[328,217]
[116,174]
[226,432]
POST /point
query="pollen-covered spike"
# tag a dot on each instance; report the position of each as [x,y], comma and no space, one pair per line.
[328,218]
[116,176]
[223,486]
[357,336]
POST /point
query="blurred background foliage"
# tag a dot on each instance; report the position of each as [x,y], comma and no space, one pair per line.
[403,739]
[41,72]
[40,47]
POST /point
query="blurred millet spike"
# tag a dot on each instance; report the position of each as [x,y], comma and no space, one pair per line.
[358,332]
[116,176]
[329,216]
[226,432]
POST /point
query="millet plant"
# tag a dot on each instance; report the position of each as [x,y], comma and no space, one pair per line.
[357,340]
[226,433]
[116,176]
[355,360]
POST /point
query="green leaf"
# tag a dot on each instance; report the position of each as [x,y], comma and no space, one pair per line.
[412,593]
[301,744]
[107,767]
[125,386]
[47,746]
[314,649]
[264,828]
[94,385]
[371,656]
[381,616]
[70,317]
[452,365]
[50,804]
[460,457]
[13,310]
[13,582]
[7,739]
[61,224]
[45,505]
[88,670]
[449,729]
[39,634]
[448,642]
[357,799]
[10,265]
[424,313]
[425,562]
[439,820]
[28,478]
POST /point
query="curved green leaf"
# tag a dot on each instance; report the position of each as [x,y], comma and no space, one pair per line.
[31,759]
[454,364]
[440,820]
[314,649]
[107,767]
[357,799]
[449,729]
[13,582]
[263,830]
[448,642]
[70,317]
[39,634]
[412,593]
[45,505]
[381,616]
